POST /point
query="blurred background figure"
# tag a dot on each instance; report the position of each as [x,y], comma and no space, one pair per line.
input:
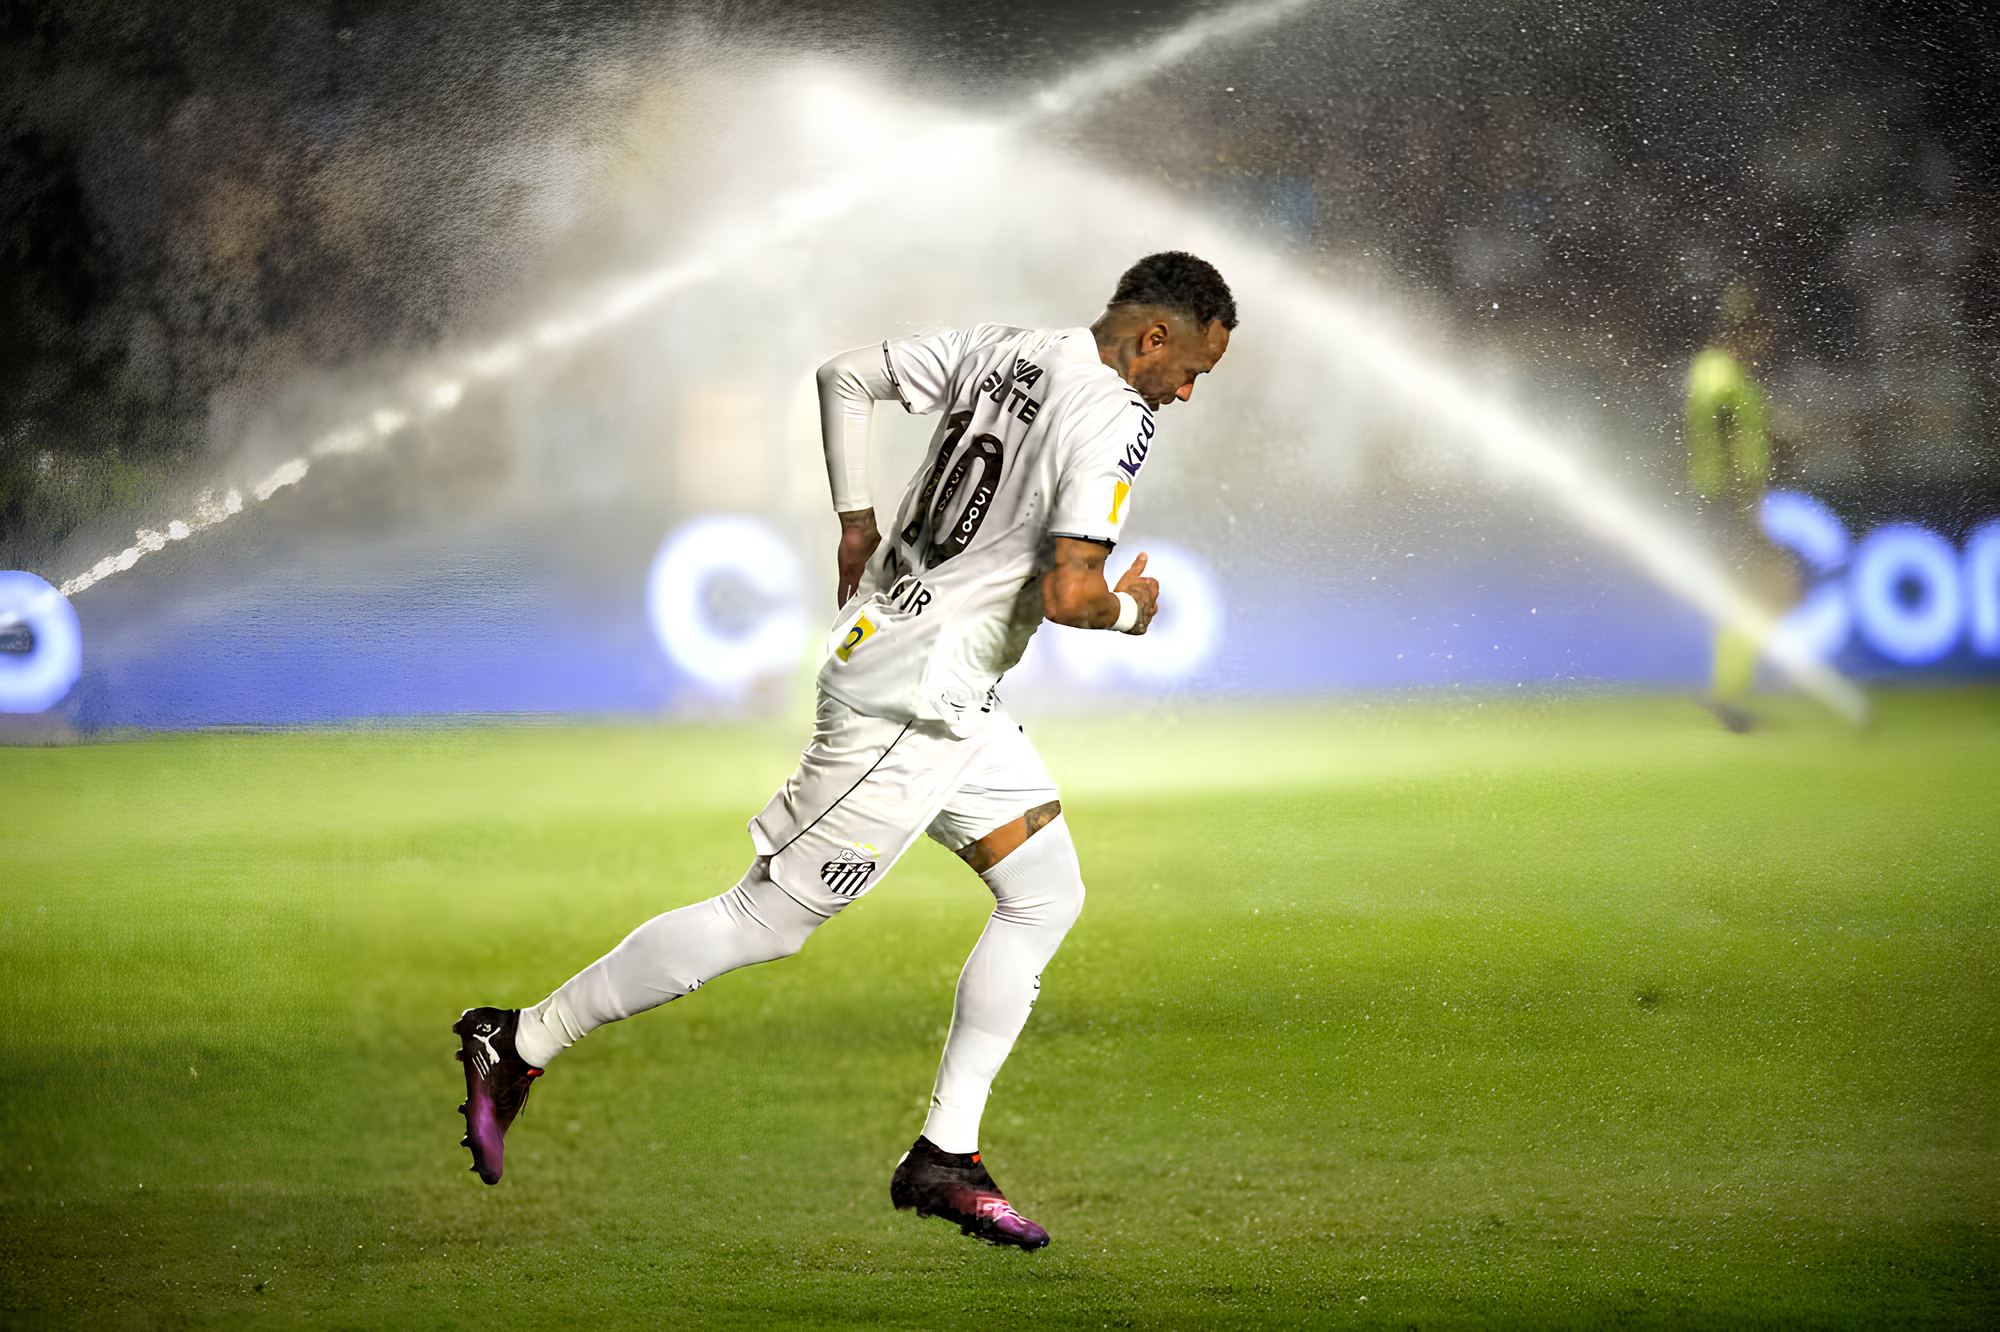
[1729,467]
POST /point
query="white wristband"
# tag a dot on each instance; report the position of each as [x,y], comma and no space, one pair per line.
[1128,612]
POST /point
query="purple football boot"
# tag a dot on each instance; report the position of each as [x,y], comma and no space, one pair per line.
[957,1188]
[497,1081]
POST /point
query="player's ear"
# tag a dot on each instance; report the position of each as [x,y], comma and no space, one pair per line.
[1156,336]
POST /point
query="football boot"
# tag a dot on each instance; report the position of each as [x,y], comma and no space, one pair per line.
[957,1188]
[497,1081]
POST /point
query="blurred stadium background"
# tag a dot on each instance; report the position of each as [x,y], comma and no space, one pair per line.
[436,361]
[245,240]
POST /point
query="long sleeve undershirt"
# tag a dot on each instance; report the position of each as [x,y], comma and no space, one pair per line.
[849,387]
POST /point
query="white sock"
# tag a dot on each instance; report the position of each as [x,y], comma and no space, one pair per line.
[1037,891]
[669,956]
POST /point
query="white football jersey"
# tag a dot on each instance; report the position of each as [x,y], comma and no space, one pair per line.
[1039,439]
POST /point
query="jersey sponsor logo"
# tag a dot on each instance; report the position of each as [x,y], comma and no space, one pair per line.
[910,595]
[848,873]
[1136,451]
[1119,490]
[913,530]
[976,476]
[854,637]
[1010,391]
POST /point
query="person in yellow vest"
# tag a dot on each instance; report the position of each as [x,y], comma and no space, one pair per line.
[1729,467]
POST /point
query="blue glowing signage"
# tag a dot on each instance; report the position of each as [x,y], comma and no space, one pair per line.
[1982,586]
[724,601]
[1903,589]
[41,644]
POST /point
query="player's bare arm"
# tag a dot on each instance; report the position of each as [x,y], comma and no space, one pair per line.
[849,386]
[1075,592]
[858,539]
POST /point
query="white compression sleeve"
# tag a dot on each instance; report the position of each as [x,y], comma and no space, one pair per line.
[669,956]
[1037,892]
[849,386]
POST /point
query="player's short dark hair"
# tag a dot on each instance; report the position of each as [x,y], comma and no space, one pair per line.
[1180,282]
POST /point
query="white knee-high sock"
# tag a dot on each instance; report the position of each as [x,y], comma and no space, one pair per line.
[669,956]
[1037,892]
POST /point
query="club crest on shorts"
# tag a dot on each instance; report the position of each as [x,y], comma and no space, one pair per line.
[848,873]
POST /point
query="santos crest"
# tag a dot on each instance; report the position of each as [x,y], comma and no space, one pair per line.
[847,873]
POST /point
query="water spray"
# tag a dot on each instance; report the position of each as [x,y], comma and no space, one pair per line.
[431,393]
[1507,446]
[1498,439]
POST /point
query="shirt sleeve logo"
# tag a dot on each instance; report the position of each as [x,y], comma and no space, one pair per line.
[854,638]
[1136,451]
[1119,491]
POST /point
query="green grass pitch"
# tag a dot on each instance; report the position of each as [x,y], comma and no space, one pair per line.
[1564,1012]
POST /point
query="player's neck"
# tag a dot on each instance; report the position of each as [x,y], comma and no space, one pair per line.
[1116,352]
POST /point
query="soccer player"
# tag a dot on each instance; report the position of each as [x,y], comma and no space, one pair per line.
[1729,467]
[1008,521]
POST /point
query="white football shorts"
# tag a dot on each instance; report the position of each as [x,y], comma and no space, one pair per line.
[866,787]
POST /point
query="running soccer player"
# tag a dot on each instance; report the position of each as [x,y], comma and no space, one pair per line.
[1008,521]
